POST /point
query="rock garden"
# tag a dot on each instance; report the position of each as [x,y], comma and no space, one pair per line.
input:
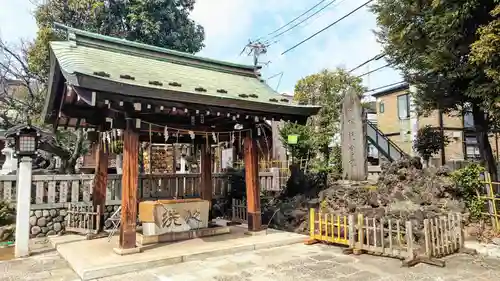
[404,190]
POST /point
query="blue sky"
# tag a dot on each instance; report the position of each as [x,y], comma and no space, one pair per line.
[229,24]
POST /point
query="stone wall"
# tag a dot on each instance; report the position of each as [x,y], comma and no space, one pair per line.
[53,221]
[108,212]
[47,222]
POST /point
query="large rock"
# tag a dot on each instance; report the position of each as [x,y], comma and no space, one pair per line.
[33,220]
[7,233]
[42,221]
[58,219]
[36,230]
[57,227]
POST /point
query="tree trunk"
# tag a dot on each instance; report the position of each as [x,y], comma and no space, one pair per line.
[68,165]
[426,162]
[326,154]
[481,125]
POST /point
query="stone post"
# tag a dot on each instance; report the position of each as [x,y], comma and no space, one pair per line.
[23,207]
[354,162]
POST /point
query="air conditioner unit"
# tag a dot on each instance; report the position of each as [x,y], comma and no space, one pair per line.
[457,135]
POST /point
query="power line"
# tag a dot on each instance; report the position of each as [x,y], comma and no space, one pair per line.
[328,26]
[279,82]
[296,18]
[272,76]
[280,74]
[309,22]
[295,25]
[385,86]
[376,69]
[377,57]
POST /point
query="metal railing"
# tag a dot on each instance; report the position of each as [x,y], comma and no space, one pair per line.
[384,144]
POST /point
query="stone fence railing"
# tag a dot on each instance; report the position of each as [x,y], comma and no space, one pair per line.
[55,191]
[50,194]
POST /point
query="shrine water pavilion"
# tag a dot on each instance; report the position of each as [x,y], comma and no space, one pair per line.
[140,93]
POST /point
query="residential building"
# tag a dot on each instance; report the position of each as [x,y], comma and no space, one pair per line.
[371,117]
[397,119]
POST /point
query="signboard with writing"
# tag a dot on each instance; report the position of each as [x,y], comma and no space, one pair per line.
[293,139]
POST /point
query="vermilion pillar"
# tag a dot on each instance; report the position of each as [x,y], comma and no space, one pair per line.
[100,180]
[252,184]
[129,187]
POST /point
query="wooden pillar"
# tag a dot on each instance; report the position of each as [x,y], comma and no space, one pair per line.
[206,173]
[129,187]
[100,180]
[252,184]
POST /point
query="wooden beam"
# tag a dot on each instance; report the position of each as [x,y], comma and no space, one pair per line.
[129,186]
[206,173]
[100,179]
[97,116]
[252,184]
[180,107]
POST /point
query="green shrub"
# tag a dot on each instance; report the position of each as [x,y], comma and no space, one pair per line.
[7,214]
[468,181]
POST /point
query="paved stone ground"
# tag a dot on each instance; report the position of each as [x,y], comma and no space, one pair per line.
[295,262]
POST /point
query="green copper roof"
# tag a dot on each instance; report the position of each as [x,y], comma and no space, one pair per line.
[125,62]
[85,37]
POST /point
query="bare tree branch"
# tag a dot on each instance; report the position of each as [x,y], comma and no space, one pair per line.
[22,94]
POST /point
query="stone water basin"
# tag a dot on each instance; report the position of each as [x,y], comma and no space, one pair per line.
[177,215]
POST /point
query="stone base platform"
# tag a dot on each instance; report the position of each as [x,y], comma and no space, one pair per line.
[92,259]
[143,240]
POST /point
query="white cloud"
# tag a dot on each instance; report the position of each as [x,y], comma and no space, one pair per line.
[223,19]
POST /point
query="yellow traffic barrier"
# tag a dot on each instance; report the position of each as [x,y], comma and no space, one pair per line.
[491,198]
[328,228]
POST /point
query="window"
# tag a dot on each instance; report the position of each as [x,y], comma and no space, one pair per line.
[471,148]
[404,106]
[468,118]
[381,107]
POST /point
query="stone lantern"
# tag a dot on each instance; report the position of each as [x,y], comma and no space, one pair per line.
[25,146]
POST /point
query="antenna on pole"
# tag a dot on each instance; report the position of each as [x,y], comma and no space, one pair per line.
[255,49]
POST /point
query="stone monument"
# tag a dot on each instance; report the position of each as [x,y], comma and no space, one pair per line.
[353,138]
